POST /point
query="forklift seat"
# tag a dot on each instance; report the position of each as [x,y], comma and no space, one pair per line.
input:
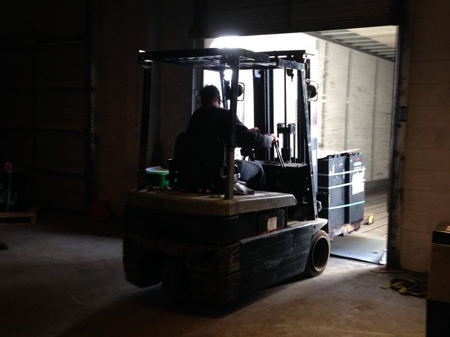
[199,163]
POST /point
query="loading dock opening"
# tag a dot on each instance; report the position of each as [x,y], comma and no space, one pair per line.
[354,70]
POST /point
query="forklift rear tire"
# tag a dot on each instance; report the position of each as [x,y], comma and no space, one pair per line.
[319,254]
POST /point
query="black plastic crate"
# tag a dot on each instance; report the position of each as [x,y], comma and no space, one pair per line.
[331,171]
[438,301]
[332,189]
[355,189]
[335,216]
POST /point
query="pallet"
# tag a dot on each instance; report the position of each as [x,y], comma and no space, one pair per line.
[368,219]
[348,228]
[31,215]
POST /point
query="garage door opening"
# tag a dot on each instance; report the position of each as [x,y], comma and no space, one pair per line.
[353,70]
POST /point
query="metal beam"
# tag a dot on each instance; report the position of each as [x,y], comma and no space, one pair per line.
[386,52]
[380,51]
[344,32]
[380,47]
[330,31]
[351,46]
[145,118]
[354,39]
[373,43]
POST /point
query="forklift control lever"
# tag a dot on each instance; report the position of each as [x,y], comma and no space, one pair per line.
[280,157]
[286,131]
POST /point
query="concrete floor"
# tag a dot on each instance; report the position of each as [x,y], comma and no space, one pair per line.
[63,277]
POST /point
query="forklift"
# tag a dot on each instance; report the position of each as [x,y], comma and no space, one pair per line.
[198,237]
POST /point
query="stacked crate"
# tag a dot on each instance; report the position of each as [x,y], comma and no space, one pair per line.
[354,196]
[331,189]
[341,188]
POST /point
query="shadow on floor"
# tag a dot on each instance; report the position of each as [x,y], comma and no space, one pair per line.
[65,277]
[71,223]
[297,303]
[150,313]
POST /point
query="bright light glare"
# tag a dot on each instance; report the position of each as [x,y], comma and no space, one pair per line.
[294,41]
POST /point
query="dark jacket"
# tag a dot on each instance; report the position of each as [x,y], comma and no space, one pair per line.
[215,121]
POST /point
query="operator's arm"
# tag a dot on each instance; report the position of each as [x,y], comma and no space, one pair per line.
[251,140]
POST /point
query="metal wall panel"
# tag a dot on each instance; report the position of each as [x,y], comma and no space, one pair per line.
[45,95]
[30,20]
[249,17]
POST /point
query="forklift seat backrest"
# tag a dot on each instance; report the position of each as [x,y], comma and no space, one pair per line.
[199,162]
[200,149]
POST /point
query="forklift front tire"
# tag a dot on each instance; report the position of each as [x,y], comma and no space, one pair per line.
[319,254]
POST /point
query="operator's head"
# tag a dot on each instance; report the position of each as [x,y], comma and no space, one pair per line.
[210,95]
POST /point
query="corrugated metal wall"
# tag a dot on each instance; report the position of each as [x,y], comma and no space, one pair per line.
[355,104]
[45,94]
[253,17]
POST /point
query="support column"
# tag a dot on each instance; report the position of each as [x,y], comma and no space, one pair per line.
[145,117]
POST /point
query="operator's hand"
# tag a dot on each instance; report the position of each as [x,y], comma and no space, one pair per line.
[255,129]
[274,138]
[8,167]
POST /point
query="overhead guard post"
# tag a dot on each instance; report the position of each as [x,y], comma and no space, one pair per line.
[145,118]
[223,88]
[304,120]
[229,189]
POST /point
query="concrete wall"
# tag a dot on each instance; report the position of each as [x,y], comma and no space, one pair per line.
[123,28]
[176,81]
[426,183]
[44,91]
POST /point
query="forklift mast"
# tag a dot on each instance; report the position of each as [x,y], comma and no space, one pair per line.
[264,111]
[303,149]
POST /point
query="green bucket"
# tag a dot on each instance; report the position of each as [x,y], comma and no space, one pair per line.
[157,176]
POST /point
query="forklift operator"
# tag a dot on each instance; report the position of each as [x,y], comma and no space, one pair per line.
[214,121]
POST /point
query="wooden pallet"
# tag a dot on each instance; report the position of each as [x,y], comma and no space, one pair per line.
[348,228]
[31,215]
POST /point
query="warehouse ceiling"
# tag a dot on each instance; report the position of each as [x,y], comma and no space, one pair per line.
[378,41]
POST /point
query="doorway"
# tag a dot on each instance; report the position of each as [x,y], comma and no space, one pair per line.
[354,73]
